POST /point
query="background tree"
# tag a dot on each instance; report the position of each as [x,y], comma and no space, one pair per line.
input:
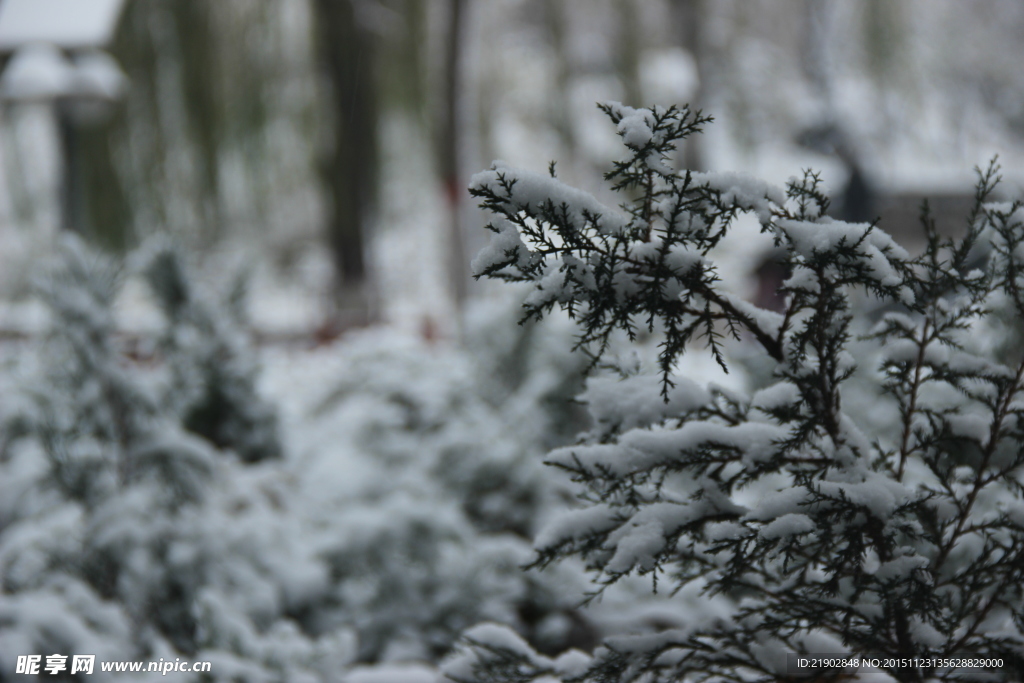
[347,53]
[450,144]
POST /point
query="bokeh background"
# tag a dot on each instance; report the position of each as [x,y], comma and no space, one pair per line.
[326,145]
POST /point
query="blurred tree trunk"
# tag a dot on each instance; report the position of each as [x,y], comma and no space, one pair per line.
[196,35]
[72,215]
[138,130]
[195,148]
[817,52]
[401,64]
[449,144]
[628,56]
[107,193]
[689,20]
[169,52]
[350,172]
[560,103]
[95,201]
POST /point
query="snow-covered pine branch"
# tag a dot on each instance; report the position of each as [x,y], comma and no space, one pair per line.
[825,532]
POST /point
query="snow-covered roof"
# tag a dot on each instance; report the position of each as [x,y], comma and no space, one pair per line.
[70,24]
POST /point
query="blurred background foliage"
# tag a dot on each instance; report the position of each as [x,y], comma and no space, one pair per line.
[326,144]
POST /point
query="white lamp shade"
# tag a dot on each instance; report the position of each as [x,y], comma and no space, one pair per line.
[37,72]
[40,73]
[97,75]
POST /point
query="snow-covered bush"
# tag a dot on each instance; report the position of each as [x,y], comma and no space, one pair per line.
[123,534]
[428,487]
[808,528]
[397,516]
[529,371]
[213,374]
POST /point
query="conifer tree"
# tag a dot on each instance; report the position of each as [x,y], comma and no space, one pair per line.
[128,532]
[122,533]
[213,372]
[806,527]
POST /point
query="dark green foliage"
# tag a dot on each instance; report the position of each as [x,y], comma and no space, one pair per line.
[213,374]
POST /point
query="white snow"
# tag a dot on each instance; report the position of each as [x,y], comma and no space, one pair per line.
[643,449]
[791,524]
[534,190]
[682,259]
[636,401]
[503,242]
[575,525]
[393,673]
[900,567]
[635,127]
[499,636]
[927,635]
[572,663]
[803,279]
[640,542]
[880,494]
[812,239]
[778,395]
[778,503]
[745,191]
[766,321]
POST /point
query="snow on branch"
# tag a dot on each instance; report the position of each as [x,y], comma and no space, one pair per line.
[822,528]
